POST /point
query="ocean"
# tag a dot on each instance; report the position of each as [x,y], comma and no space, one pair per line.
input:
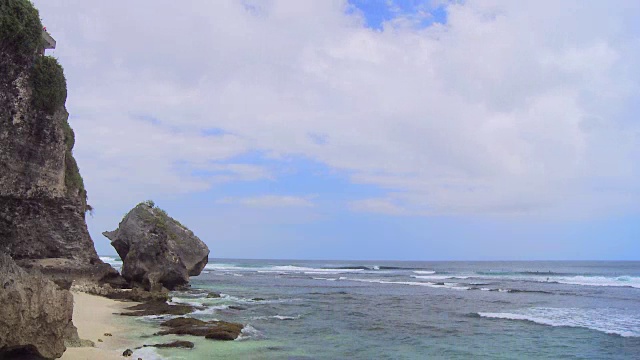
[416,310]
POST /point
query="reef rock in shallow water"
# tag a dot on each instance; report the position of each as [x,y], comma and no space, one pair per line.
[157,250]
[35,316]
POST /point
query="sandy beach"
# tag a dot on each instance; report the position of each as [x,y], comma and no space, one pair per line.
[94,316]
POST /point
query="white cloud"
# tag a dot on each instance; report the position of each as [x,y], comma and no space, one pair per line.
[269,201]
[511,107]
[378,205]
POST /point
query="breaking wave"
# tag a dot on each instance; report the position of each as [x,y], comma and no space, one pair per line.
[610,321]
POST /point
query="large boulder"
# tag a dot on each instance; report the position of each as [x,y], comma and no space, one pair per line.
[157,250]
[35,316]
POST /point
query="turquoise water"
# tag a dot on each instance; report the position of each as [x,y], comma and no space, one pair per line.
[417,310]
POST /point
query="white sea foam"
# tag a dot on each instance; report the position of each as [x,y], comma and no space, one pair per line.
[210,310]
[322,278]
[230,298]
[307,270]
[424,272]
[438,277]
[224,267]
[249,332]
[628,281]
[452,286]
[277,317]
[112,260]
[280,269]
[611,321]
[609,281]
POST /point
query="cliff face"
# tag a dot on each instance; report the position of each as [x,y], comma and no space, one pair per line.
[42,196]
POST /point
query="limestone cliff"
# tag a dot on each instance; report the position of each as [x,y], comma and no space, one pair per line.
[42,195]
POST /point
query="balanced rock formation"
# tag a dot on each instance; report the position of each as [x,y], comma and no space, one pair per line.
[42,196]
[35,316]
[157,250]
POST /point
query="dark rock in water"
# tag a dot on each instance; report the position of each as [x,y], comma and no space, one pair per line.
[127,353]
[158,308]
[215,330]
[174,344]
[257,299]
[35,316]
[157,250]
[236,307]
[213,295]
[439,283]
[183,321]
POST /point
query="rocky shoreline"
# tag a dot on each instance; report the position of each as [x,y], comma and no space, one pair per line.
[174,323]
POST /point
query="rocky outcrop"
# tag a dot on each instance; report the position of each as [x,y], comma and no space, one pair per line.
[135,294]
[157,250]
[35,316]
[42,195]
[174,344]
[159,308]
[214,330]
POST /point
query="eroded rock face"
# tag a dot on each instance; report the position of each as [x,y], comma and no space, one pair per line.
[42,197]
[35,316]
[157,250]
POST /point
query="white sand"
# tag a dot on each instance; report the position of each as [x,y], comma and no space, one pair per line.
[94,316]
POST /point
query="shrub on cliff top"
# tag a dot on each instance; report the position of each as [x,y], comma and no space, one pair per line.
[20,28]
[49,84]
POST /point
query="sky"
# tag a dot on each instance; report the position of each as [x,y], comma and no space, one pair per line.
[371,130]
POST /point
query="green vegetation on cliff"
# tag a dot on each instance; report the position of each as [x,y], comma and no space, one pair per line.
[49,84]
[49,93]
[160,218]
[20,29]
[69,136]
[72,178]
